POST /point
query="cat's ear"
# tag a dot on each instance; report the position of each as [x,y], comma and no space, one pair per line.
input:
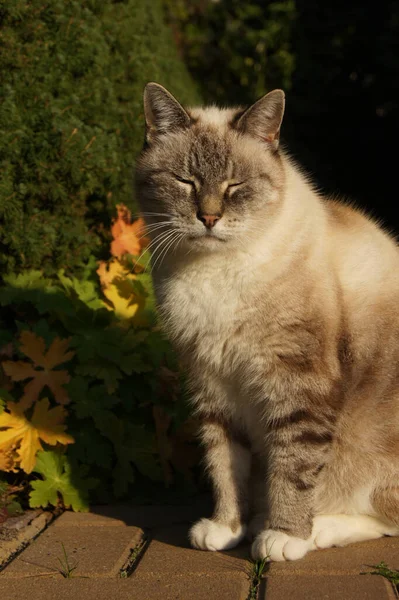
[263,119]
[163,113]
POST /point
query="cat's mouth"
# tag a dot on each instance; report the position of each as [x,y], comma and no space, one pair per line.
[207,238]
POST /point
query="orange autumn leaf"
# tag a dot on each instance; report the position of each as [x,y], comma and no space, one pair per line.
[128,237]
[16,431]
[41,370]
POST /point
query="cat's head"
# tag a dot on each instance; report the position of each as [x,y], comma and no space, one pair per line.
[209,178]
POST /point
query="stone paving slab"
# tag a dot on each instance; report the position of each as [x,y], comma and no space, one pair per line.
[319,587]
[169,554]
[199,587]
[97,551]
[168,569]
[352,559]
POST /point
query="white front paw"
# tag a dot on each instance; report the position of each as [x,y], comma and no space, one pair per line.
[210,535]
[278,546]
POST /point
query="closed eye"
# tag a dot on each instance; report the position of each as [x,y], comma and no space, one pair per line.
[185,181]
[233,186]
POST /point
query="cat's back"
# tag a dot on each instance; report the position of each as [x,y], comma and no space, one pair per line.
[364,254]
[366,262]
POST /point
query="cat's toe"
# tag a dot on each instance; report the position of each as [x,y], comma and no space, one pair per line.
[296,548]
[269,545]
[326,538]
[278,546]
[210,535]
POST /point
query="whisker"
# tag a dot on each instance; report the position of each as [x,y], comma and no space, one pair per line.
[163,241]
[181,239]
[154,214]
[152,228]
[156,239]
[178,237]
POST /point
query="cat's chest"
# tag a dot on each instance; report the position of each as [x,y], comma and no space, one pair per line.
[204,314]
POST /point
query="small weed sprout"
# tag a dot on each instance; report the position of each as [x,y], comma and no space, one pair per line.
[66,569]
[258,568]
[382,569]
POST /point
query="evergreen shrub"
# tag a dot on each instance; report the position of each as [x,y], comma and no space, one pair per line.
[72,74]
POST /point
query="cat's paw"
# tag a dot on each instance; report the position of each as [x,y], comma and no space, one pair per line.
[210,535]
[341,530]
[278,546]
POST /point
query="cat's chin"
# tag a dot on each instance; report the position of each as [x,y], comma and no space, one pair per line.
[206,242]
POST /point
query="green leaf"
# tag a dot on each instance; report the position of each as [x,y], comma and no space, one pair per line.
[88,401]
[110,374]
[27,280]
[90,447]
[86,291]
[122,475]
[134,363]
[59,478]
[104,343]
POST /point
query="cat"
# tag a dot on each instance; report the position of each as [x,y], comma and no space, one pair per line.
[284,308]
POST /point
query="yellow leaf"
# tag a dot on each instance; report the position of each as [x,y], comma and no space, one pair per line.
[107,272]
[16,430]
[7,458]
[41,371]
[117,288]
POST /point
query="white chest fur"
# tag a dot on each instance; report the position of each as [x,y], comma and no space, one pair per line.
[203,307]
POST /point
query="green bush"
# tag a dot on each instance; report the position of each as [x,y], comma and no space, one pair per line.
[237,50]
[72,74]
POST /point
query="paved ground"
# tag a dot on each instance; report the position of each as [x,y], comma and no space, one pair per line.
[141,553]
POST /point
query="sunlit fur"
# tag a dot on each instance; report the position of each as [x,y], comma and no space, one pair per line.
[286,315]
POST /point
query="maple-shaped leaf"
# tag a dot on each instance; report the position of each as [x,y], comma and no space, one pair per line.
[91,448]
[129,238]
[89,400]
[60,477]
[103,370]
[124,294]
[46,425]
[85,291]
[41,370]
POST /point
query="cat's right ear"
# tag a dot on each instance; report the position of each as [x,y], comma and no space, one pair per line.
[163,113]
[263,119]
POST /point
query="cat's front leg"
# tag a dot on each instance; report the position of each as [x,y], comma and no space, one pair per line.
[228,464]
[299,444]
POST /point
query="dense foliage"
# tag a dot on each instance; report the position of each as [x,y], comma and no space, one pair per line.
[71,122]
[91,396]
[236,50]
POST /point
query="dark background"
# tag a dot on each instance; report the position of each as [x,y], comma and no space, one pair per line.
[342,113]
[339,64]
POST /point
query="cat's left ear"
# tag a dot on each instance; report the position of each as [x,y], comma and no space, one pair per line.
[263,119]
[163,113]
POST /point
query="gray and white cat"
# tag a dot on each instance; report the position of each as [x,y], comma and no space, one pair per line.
[284,307]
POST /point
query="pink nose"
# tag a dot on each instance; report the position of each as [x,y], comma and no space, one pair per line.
[208,220]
